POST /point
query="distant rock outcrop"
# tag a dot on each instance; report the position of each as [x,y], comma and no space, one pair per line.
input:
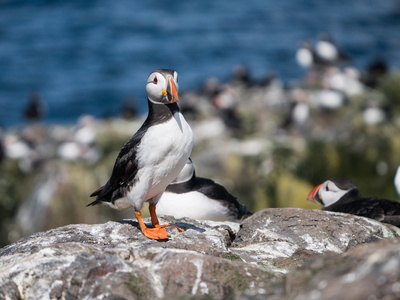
[277,253]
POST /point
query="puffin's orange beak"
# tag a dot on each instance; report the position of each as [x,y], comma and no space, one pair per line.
[312,195]
[172,92]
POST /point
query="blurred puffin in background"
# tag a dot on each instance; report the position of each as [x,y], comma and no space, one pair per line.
[342,195]
[199,198]
[329,50]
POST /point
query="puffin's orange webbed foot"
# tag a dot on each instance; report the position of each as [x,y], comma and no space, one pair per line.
[156,233]
[151,233]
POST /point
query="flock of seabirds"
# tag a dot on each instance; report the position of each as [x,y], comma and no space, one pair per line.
[154,166]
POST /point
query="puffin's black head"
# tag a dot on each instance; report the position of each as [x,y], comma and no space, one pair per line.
[326,37]
[331,191]
[162,86]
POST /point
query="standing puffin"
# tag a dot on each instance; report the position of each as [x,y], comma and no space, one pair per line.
[307,57]
[199,198]
[342,195]
[153,157]
[328,50]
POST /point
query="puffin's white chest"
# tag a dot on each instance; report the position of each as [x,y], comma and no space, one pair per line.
[327,50]
[162,153]
[304,57]
[193,205]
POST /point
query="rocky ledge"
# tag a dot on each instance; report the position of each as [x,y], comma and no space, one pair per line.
[280,253]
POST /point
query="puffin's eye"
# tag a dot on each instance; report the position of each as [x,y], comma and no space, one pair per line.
[155,80]
[327,189]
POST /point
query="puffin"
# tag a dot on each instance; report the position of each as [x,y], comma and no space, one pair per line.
[199,198]
[396,180]
[153,157]
[342,195]
[307,57]
[328,50]
[34,109]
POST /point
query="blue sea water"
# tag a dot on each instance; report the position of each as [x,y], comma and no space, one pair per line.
[88,57]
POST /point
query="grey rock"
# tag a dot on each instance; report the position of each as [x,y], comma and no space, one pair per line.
[261,257]
[283,237]
[367,272]
[114,260]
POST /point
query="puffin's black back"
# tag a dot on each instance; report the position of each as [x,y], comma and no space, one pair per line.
[383,210]
[344,183]
[218,192]
[213,191]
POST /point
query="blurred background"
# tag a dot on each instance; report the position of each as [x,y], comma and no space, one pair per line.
[274,109]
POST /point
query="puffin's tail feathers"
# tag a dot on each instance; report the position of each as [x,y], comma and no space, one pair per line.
[95,193]
[93,203]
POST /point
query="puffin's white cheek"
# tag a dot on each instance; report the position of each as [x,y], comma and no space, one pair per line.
[152,92]
[329,198]
[149,90]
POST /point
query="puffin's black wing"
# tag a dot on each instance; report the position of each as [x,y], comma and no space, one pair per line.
[123,174]
[391,211]
[217,192]
[383,210]
[359,207]
[366,208]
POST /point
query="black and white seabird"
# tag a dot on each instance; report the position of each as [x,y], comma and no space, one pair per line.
[199,198]
[34,109]
[396,180]
[153,157]
[308,58]
[329,51]
[342,195]
[376,69]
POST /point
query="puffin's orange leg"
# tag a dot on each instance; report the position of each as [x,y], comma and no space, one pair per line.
[151,233]
[154,219]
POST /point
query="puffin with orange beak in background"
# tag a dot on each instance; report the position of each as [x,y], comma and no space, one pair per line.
[153,157]
[342,195]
